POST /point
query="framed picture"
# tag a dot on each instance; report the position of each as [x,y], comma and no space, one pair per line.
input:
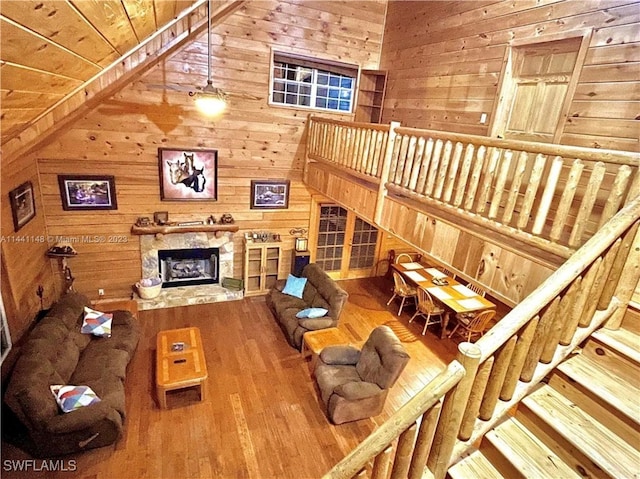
[88,192]
[269,194]
[23,206]
[188,175]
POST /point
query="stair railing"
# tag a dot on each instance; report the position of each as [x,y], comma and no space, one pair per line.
[436,427]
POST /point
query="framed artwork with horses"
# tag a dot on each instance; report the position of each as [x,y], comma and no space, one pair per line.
[188,175]
[88,192]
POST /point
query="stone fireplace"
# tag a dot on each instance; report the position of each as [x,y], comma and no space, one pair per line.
[191,265]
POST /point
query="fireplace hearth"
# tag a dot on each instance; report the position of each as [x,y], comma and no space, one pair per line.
[188,267]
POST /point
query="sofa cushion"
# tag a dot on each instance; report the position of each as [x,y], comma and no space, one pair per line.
[284,302]
[99,361]
[358,390]
[294,286]
[70,398]
[330,377]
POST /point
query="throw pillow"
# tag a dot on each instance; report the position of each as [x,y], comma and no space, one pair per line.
[312,313]
[96,322]
[70,398]
[294,286]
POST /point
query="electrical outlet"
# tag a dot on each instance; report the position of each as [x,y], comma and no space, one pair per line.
[101,292]
[483,118]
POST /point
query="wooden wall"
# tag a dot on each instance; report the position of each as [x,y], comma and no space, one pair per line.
[444,60]
[254,140]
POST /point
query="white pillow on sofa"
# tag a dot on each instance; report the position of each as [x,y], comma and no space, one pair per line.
[312,313]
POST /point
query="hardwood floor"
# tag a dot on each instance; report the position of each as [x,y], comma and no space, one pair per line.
[262,417]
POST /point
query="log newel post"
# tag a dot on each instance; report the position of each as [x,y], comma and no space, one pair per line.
[455,403]
[628,279]
[305,166]
[386,168]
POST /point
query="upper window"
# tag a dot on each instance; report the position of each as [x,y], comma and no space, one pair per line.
[311,83]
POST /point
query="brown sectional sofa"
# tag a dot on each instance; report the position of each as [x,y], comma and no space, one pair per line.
[55,352]
[320,291]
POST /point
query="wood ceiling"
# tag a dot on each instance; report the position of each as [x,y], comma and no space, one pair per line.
[51,50]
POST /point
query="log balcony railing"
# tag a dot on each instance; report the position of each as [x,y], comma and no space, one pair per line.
[553,197]
[438,425]
[511,187]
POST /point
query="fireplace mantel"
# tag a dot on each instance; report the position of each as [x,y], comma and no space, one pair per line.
[175,229]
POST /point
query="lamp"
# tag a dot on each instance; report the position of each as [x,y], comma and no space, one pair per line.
[210,101]
[302,243]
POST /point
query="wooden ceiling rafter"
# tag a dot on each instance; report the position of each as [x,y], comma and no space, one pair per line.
[163,42]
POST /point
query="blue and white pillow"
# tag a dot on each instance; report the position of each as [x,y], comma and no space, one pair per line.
[312,313]
[70,398]
[96,323]
[294,286]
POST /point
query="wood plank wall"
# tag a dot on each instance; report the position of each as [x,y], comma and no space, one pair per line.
[254,141]
[444,60]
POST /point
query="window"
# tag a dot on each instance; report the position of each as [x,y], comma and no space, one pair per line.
[311,83]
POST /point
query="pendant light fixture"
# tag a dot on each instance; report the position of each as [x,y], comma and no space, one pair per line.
[211,101]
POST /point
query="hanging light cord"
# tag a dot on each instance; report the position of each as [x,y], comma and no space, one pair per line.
[209,82]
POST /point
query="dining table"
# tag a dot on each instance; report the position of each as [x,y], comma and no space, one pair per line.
[455,296]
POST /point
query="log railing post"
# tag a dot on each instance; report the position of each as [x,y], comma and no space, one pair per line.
[386,168]
[455,403]
[628,279]
[308,148]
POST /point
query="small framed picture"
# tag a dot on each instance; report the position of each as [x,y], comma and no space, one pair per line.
[88,192]
[23,206]
[177,347]
[188,175]
[161,217]
[269,194]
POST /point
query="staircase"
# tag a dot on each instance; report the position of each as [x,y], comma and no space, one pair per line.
[583,422]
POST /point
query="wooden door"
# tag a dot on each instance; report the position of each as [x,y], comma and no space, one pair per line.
[346,245]
[537,89]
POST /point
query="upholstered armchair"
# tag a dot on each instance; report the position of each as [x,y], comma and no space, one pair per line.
[354,383]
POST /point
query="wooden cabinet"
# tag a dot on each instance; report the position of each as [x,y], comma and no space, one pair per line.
[261,266]
[371,96]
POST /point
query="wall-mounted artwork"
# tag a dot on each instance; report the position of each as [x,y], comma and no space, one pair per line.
[23,206]
[88,192]
[269,194]
[188,175]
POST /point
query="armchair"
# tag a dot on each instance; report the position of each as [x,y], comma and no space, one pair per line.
[354,383]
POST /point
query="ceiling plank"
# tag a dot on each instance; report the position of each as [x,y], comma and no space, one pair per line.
[110,17]
[165,11]
[17,77]
[141,14]
[164,42]
[30,49]
[62,24]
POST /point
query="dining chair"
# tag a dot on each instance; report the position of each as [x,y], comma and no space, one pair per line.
[477,289]
[404,258]
[401,290]
[447,272]
[473,326]
[427,308]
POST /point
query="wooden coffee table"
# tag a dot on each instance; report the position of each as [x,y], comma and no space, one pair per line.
[179,369]
[314,342]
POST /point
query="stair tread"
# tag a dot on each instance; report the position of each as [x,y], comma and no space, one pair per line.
[475,465]
[624,341]
[603,447]
[527,453]
[615,391]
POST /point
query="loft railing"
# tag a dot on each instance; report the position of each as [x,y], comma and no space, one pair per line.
[552,196]
[436,427]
